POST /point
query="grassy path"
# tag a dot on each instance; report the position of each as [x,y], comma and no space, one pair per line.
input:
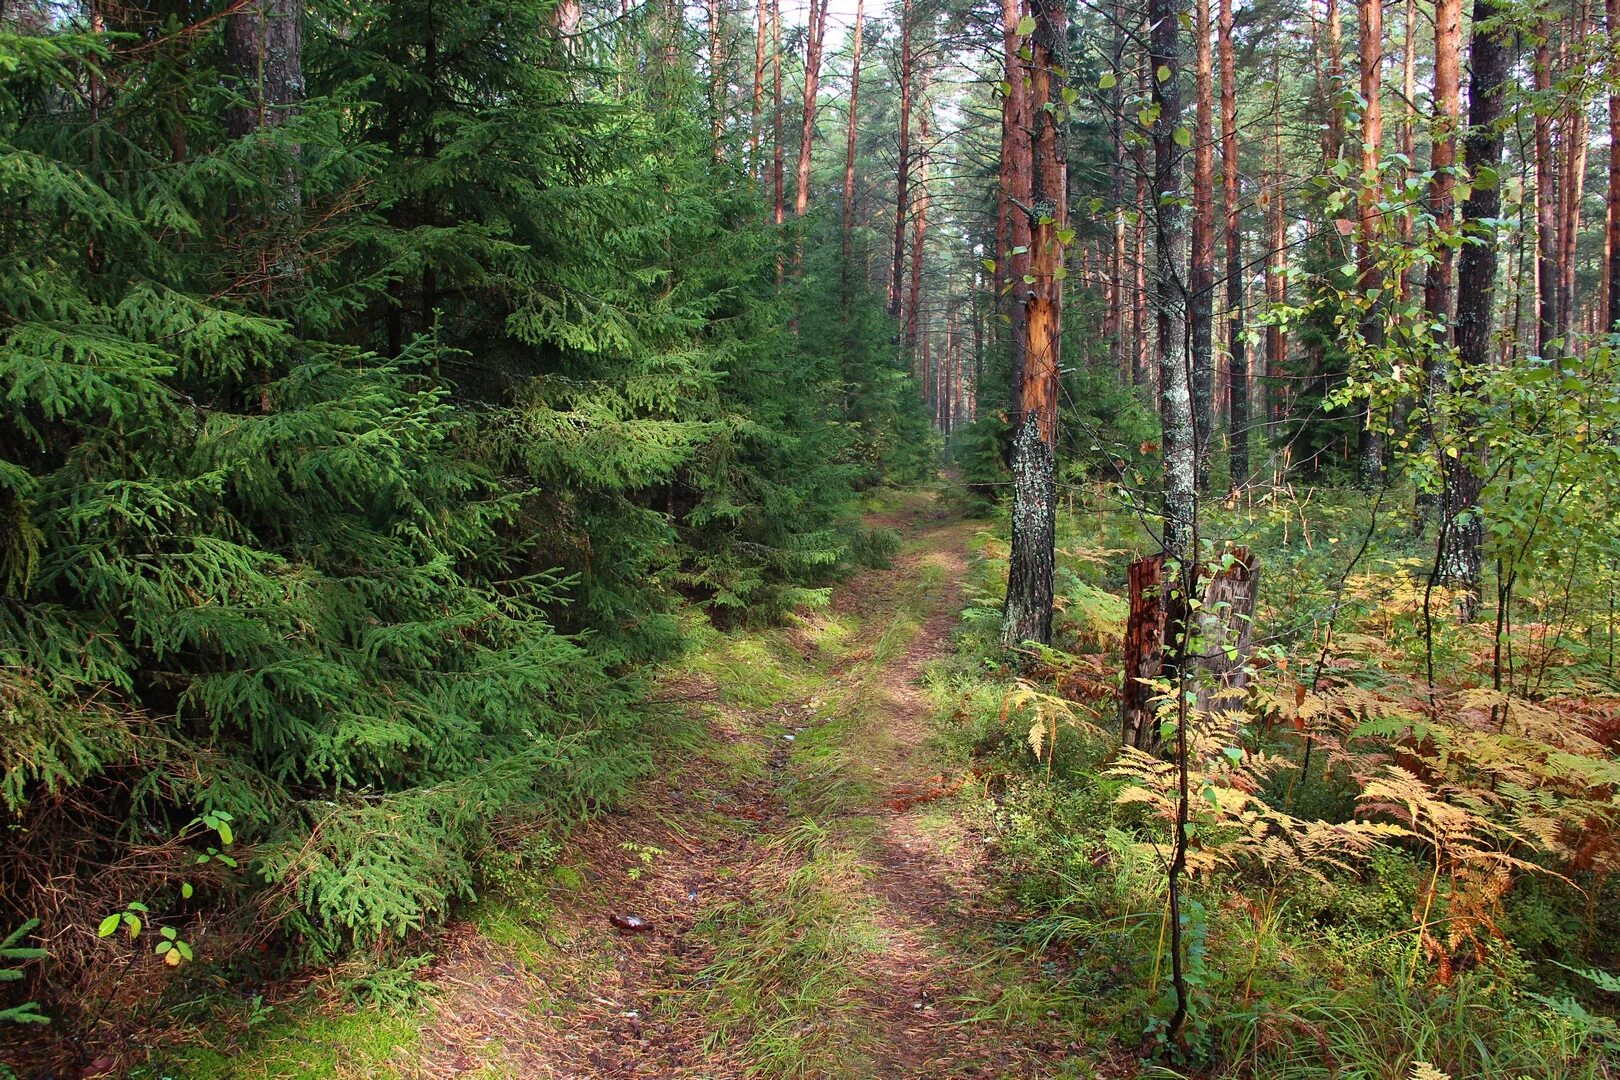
[809,899]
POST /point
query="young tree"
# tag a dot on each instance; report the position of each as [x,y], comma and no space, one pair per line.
[1170,292]
[1028,612]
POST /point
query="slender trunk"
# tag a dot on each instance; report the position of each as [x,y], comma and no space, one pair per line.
[1028,612]
[1462,531]
[919,217]
[849,157]
[1437,290]
[812,80]
[1408,128]
[1201,276]
[1139,162]
[1573,186]
[777,175]
[1333,134]
[1016,193]
[1277,257]
[1612,270]
[1546,200]
[1237,360]
[754,164]
[264,51]
[717,81]
[1371,462]
[1169,285]
[902,177]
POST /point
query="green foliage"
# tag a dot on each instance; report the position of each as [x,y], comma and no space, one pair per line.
[338,525]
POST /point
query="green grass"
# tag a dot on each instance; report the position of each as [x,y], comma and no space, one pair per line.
[317,1045]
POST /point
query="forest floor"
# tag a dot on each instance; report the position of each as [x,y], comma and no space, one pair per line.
[798,889]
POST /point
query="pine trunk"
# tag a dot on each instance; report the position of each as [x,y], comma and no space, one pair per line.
[1546,201]
[812,82]
[1612,270]
[902,178]
[1462,533]
[1028,612]
[919,218]
[1237,360]
[850,134]
[1371,279]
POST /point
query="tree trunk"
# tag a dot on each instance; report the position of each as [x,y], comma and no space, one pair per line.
[902,178]
[1572,186]
[1612,270]
[849,158]
[1437,287]
[1546,200]
[754,163]
[919,217]
[1237,360]
[1201,278]
[1277,258]
[812,81]
[1462,532]
[1028,612]
[1333,133]
[777,173]
[1371,278]
[1016,186]
[717,81]
[264,50]
[1169,287]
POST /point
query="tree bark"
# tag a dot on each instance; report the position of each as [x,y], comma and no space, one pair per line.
[1572,185]
[1462,531]
[1028,612]
[1016,185]
[1169,285]
[902,178]
[1612,270]
[1237,360]
[919,218]
[1371,278]
[777,173]
[850,143]
[1277,257]
[1546,199]
[1437,286]
[264,50]
[812,82]
[754,163]
[1201,277]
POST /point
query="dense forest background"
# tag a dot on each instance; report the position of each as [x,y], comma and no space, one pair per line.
[390,393]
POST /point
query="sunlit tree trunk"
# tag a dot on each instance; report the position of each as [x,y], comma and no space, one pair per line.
[1237,361]
[779,214]
[812,81]
[1028,612]
[1462,532]
[1015,194]
[1201,277]
[1572,185]
[718,102]
[1437,287]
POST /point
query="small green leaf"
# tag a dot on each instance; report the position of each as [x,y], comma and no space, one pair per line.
[1070,95]
[1233,753]
[1163,73]
[134,925]
[1026,26]
[1183,136]
[224,830]
[1108,81]
[108,925]
[164,946]
[186,890]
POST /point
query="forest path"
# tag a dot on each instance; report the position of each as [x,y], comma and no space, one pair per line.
[811,895]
